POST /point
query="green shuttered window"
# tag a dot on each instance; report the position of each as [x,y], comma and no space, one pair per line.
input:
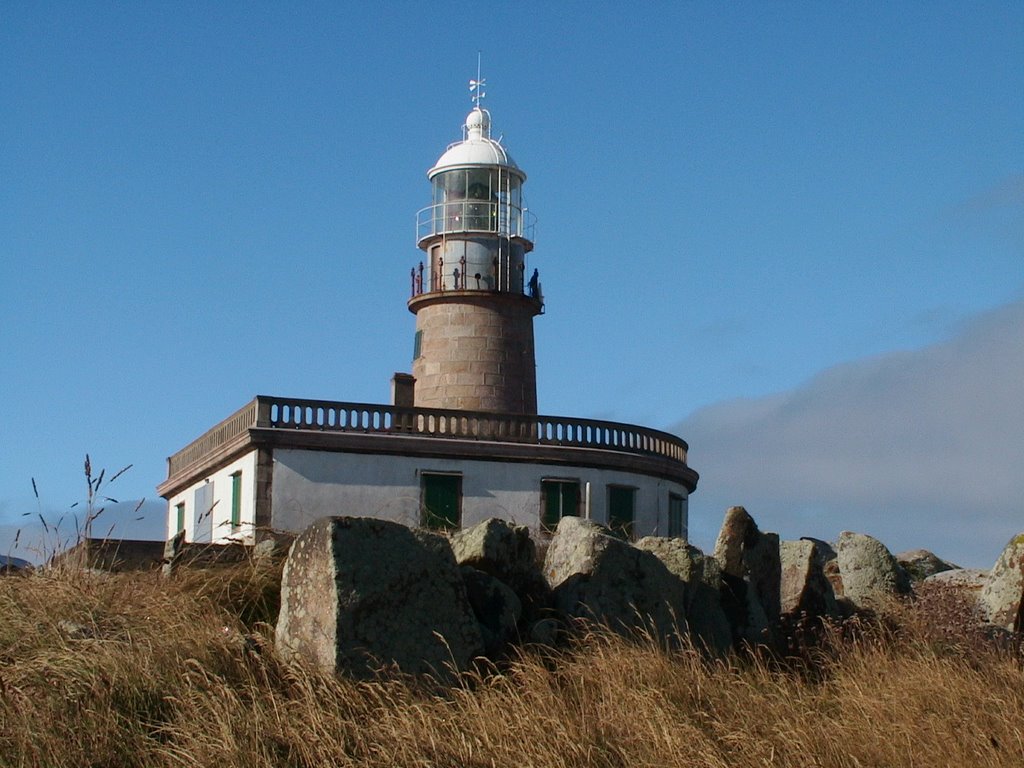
[236,500]
[558,499]
[441,501]
[621,510]
[675,515]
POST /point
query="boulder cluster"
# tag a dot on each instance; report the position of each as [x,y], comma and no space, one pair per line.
[360,595]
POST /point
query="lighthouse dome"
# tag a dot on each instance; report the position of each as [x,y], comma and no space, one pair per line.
[477,148]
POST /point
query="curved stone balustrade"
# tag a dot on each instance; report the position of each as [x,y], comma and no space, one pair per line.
[278,413]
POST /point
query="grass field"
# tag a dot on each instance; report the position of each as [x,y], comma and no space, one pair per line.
[132,670]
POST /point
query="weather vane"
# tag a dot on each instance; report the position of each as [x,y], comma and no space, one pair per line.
[476,87]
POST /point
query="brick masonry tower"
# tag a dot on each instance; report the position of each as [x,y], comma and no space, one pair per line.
[473,301]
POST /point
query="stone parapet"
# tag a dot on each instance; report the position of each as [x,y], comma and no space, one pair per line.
[368,428]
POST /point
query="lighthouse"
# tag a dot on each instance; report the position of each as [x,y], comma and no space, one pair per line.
[473,299]
[461,441]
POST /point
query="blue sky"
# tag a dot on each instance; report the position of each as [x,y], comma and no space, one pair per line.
[746,211]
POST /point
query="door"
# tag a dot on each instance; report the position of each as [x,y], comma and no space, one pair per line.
[441,501]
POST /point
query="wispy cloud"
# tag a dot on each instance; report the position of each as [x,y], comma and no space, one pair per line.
[1006,193]
[919,448]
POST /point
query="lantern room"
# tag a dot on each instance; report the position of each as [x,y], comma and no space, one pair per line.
[476,232]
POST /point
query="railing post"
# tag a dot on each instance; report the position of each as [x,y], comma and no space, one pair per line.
[262,412]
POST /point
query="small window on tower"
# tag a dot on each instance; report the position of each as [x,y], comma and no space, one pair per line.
[417,345]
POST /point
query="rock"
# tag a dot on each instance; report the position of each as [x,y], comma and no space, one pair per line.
[868,570]
[594,575]
[496,547]
[172,552]
[507,553]
[920,564]
[360,593]
[972,579]
[751,574]
[1002,598]
[544,632]
[9,564]
[826,554]
[74,631]
[271,548]
[496,608]
[703,579]
[804,589]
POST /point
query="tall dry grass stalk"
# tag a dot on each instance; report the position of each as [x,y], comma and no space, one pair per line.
[132,670]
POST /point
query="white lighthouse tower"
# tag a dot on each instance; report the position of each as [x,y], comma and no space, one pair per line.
[473,301]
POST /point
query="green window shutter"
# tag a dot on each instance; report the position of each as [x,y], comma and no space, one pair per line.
[180,522]
[621,509]
[675,515]
[417,345]
[442,501]
[236,500]
[559,498]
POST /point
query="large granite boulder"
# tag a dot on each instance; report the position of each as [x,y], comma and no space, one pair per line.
[972,580]
[595,576]
[869,572]
[703,579]
[499,548]
[804,589]
[507,553]
[920,564]
[751,575]
[497,610]
[1002,598]
[360,593]
[826,553]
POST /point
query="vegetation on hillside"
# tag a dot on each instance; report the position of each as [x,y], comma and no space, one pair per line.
[134,670]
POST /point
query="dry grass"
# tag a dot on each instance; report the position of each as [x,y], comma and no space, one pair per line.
[130,670]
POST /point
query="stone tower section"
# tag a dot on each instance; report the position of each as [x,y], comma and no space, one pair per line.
[473,299]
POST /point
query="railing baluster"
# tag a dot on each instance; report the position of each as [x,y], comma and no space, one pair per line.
[295,414]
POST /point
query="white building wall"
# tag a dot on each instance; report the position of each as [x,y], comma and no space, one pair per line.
[311,484]
[214,519]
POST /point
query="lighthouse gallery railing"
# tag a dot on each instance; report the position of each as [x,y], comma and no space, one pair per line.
[475,216]
[329,416]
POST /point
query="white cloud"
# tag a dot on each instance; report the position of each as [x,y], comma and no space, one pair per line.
[921,449]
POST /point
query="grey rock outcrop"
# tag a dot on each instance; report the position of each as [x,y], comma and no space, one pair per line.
[804,589]
[360,593]
[507,553]
[971,579]
[920,564]
[868,570]
[703,579]
[172,551]
[499,548]
[496,607]
[751,575]
[825,551]
[1002,598]
[594,575]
